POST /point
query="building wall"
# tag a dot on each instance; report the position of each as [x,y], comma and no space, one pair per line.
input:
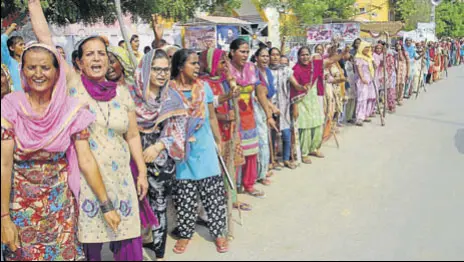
[373,10]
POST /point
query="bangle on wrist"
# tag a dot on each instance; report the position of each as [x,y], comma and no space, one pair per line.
[106,206]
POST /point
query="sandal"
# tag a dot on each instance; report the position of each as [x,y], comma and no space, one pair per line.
[274,166]
[222,245]
[181,246]
[265,182]
[256,193]
[289,165]
[242,206]
[307,160]
[317,154]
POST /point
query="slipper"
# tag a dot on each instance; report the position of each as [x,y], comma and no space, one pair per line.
[180,249]
[307,160]
[265,182]
[222,246]
[290,165]
[256,193]
[242,206]
[274,166]
[317,154]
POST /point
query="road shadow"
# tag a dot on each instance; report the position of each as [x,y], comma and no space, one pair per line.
[459,141]
[437,120]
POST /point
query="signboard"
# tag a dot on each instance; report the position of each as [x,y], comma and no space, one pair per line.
[225,35]
[200,37]
[246,38]
[348,32]
[426,31]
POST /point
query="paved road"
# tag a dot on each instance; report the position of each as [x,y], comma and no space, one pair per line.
[394,192]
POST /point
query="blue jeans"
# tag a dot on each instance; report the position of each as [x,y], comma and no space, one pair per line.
[287,143]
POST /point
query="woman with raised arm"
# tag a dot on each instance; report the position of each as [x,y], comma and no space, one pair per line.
[307,108]
[114,139]
[44,143]
[247,80]
[12,49]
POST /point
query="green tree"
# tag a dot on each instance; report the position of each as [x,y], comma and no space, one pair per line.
[90,11]
[450,19]
[309,12]
[412,11]
[449,16]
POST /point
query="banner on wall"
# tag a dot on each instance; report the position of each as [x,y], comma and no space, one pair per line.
[348,32]
[225,35]
[200,37]
[246,38]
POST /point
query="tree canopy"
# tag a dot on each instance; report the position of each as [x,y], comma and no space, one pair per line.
[449,16]
[63,12]
[308,12]
[412,11]
[450,19]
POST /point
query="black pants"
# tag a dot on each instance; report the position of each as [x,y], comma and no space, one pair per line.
[429,78]
[158,193]
[160,180]
[212,195]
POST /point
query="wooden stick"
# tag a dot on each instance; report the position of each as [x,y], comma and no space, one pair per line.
[133,59]
[385,90]
[382,119]
[237,138]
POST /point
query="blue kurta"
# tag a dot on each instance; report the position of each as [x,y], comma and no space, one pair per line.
[12,64]
[202,161]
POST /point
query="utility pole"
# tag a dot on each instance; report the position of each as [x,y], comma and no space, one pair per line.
[434,3]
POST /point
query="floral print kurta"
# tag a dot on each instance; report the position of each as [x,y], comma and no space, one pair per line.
[42,205]
[112,153]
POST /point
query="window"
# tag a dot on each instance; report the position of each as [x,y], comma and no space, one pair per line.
[362,9]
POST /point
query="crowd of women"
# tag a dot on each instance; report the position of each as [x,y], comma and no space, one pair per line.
[90,152]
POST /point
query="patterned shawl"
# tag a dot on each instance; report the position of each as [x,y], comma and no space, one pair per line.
[149,110]
[210,61]
[53,130]
[178,131]
[247,77]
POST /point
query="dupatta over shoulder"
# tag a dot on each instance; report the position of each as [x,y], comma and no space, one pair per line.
[52,131]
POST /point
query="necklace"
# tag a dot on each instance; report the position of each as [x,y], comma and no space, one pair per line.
[107,118]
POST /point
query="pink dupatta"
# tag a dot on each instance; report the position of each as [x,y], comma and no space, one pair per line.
[52,131]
